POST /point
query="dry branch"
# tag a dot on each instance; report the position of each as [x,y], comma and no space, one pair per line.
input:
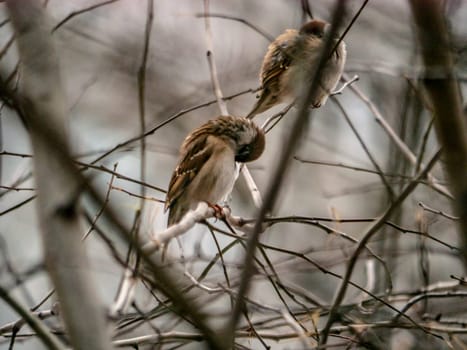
[277,176]
[450,121]
[43,104]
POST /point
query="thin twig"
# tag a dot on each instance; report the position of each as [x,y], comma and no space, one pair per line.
[167,121]
[446,97]
[421,154]
[18,205]
[46,336]
[277,175]
[80,12]
[253,188]
[142,96]
[434,183]
[296,327]
[16,326]
[5,48]
[211,61]
[133,258]
[118,175]
[423,296]
[354,19]
[104,204]
[366,237]
[275,118]
[263,33]
[349,166]
[165,282]
[344,86]
[148,198]
[366,149]
[437,211]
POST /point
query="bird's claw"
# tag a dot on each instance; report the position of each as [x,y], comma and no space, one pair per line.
[218,211]
[316,105]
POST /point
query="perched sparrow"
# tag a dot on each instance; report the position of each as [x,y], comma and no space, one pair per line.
[207,167]
[288,65]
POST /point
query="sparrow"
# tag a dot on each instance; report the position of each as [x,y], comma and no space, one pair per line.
[207,168]
[289,62]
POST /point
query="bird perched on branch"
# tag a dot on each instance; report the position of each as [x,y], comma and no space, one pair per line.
[289,63]
[207,166]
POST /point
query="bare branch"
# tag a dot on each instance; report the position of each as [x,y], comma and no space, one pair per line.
[202,211]
[366,149]
[278,173]
[263,33]
[397,140]
[49,339]
[43,103]
[366,237]
[80,12]
[450,120]
[212,65]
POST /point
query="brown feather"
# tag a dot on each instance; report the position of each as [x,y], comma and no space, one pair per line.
[278,58]
[289,64]
[194,157]
[206,168]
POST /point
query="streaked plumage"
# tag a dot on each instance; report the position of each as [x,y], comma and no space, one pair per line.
[289,63]
[207,166]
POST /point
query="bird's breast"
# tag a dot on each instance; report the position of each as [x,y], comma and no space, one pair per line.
[217,177]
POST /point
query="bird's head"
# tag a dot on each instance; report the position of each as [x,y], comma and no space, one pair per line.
[243,134]
[315,28]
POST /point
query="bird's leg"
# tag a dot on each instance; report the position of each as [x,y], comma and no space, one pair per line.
[218,210]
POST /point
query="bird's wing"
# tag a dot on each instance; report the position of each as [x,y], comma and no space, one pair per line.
[190,164]
[277,59]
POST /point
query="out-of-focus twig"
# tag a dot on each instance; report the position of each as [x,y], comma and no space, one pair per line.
[366,149]
[126,289]
[278,173]
[212,65]
[5,48]
[296,327]
[15,327]
[352,22]
[437,211]
[101,210]
[273,120]
[374,227]
[131,194]
[167,121]
[434,183]
[268,37]
[79,12]
[42,102]
[450,120]
[252,187]
[142,96]
[349,166]
[46,336]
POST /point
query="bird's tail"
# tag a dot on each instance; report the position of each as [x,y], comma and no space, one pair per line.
[264,103]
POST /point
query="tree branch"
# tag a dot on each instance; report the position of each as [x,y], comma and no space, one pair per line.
[450,122]
[43,103]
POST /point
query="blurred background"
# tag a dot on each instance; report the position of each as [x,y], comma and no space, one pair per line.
[330,179]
